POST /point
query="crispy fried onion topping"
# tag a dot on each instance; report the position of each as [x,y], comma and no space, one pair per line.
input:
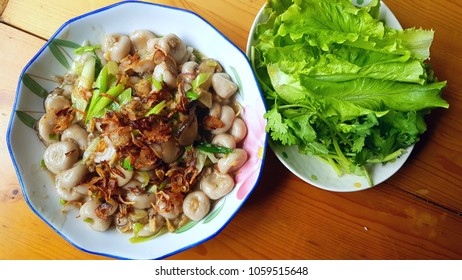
[212,122]
[64,119]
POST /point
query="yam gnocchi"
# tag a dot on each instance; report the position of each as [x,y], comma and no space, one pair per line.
[143,133]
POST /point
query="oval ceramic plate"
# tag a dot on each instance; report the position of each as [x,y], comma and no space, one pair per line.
[55,57]
[315,171]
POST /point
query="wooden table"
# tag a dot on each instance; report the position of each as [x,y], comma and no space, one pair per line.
[416,214]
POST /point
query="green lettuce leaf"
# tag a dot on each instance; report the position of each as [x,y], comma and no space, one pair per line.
[340,84]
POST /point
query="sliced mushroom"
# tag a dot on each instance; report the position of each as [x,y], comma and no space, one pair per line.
[61,156]
[238,130]
[223,86]
[233,161]
[216,185]
[45,128]
[116,47]
[55,102]
[168,151]
[225,140]
[196,205]
[69,194]
[226,116]
[173,46]
[170,206]
[107,154]
[139,39]
[122,175]
[189,67]
[141,201]
[166,73]
[88,215]
[189,129]
[209,65]
[71,177]
[78,134]
[189,134]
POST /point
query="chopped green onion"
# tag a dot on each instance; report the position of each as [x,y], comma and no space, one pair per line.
[104,101]
[152,188]
[201,159]
[127,164]
[53,136]
[138,214]
[155,188]
[87,76]
[143,178]
[212,148]
[211,63]
[79,102]
[156,85]
[85,49]
[122,99]
[94,99]
[112,68]
[136,228]
[162,185]
[62,201]
[156,109]
[106,77]
[139,239]
[98,64]
[84,83]
[210,158]
[199,80]
[101,113]
[192,95]
[102,79]
[88,220]
[200,56]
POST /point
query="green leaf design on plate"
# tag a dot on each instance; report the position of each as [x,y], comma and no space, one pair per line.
[65,43]
[58,54]
[56,48]
[34,86]
[214,213]
[238,80]
[26,119]
[186,227]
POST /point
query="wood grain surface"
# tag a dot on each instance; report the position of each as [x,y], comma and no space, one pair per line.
[416,214]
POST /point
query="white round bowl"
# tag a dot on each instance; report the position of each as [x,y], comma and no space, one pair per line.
[53,59]
[312,169]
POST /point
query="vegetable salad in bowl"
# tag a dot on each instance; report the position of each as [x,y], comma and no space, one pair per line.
[343,83]
[136,136]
